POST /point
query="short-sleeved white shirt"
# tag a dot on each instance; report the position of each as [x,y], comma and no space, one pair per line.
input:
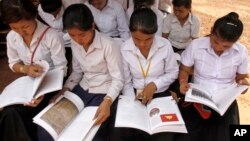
[213,70]
[181,36]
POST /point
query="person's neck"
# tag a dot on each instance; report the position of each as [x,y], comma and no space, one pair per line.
[182,21]
[86,47]
[144,52]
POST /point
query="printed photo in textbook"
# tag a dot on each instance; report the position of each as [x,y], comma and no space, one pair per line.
[68,119]
[160,115]
[25,88]
[218,100]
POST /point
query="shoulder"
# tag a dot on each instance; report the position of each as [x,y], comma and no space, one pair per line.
[195,19]
[106,41]
[12,35]
[240,47]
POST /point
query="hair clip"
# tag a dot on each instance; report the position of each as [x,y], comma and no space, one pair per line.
[232,24]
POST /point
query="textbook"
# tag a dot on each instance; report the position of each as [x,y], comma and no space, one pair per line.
[218,100]
[160,115]
[25,88]
[68,120]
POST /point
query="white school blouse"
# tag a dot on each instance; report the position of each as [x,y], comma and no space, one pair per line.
[51,48]
[99,70]
[181,36]
[163,70]
[111,20]
[212,70]
[56,22]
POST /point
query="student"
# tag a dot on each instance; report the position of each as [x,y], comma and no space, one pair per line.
[50,12]
[148,4]
[109,18]
[149,66]
[97,68]
[218,60]
[181,27]
[28,41]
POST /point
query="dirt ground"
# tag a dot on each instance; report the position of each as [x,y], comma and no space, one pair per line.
[208,11]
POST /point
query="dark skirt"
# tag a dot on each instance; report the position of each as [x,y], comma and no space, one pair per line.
[16,121]
[216,128]
[131,134]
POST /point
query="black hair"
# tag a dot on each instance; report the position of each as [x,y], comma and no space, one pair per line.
[228,27]
[185,3]
[79,16]
[15,10]
[50,6]
[142,3]
[143,20]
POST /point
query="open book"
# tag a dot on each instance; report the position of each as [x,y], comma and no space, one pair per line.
[160,115]
[67,119]
[218,100]
[25,88]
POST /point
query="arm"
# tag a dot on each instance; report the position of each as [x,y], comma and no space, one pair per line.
[165,35]
[196,27]
[242,79]
[166,27]
[128,89]
[183,78]
[165,79]
[114,64]
[122,23]
[57,50]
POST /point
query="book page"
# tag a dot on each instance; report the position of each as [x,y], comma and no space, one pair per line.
[198,94]
[17,92]
[131,113]
[225,97]
[91,134]
[80,126]
[56,116]
[38,80]
[52,81]
[165,115]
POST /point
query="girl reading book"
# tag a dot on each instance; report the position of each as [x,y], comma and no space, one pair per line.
[149,68]
[218,60]
[96,67]
[28,41]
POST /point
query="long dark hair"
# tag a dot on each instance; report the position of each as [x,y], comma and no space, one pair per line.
[143,20]
[15,10]
[228,27]
[79,16]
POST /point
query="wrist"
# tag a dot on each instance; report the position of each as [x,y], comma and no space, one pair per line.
[22,69]
[108,99]
[182,81]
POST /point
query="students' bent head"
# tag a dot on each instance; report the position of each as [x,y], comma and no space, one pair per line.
[79,23]
[182,8]
[20,15]
[98,4]
[51,6]
[143,3]
[143,26]
[226,31]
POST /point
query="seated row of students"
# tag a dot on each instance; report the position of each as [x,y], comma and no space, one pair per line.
[146,65]
[180,27]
